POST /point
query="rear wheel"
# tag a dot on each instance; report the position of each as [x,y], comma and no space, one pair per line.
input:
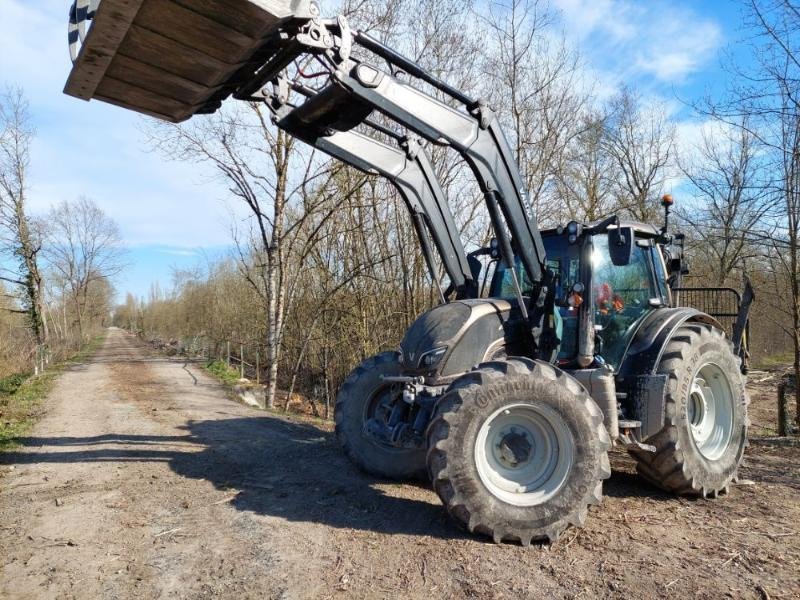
[702,443]
[517,451]
[364,396]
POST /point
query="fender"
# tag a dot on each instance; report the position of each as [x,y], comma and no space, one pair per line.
[648,343]
[644,400]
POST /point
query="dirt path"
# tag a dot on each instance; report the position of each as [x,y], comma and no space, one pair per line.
[140,483]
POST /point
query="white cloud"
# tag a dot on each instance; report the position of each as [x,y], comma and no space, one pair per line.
[609,17]
[689,43]
[179,252]
[658,39]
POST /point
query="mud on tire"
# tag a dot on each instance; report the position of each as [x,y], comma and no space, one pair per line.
[355,403]
[455,441]
[690,459]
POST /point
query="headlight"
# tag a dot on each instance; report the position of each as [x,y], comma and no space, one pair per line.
[431,358]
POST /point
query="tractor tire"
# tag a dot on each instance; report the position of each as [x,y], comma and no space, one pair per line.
[700,447]
[362,394]
[517,451]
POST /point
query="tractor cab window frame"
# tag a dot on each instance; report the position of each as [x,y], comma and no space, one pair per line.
[565,259]
[660,272]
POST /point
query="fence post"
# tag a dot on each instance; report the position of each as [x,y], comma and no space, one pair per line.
[36,362]
[228,359]
[783,413]
[258,374]
[241,361]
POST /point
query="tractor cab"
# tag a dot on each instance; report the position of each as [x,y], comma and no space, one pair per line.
[611,300]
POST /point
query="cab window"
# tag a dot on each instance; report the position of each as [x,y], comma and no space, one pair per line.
[621,296]
[564,259]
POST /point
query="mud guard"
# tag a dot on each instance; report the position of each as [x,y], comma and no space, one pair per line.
[637,374]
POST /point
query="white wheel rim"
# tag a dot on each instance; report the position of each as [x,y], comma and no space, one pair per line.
[709,411]
[524,453]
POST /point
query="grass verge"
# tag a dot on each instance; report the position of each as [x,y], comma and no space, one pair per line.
[21,396]
[220,370]
[773,361]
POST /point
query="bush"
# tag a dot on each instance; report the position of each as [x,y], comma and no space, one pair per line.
[220,370]
[10,384]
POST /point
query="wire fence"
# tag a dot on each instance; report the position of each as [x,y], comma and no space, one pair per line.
[297,390]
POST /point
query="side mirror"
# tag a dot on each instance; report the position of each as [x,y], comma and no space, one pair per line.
[620,246]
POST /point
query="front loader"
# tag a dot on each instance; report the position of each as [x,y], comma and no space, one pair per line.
[508,403]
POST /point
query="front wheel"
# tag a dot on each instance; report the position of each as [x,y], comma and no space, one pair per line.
[701,445]
[364,395]
[517,451]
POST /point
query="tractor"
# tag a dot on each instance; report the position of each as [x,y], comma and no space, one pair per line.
[547,348]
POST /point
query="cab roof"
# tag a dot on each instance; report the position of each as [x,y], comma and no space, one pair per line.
[641,229]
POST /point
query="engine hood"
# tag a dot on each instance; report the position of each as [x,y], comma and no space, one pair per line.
[463,330]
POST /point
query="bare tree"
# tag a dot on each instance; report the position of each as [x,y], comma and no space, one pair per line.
[730,201]
[764,100]
[280,185]
[18,240]
[83,249]
[533,81]
[642,142]
[586,179]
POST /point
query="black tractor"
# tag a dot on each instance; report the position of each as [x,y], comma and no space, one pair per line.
[516,446]
[548,347]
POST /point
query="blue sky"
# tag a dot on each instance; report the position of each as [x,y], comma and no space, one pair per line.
[174,214]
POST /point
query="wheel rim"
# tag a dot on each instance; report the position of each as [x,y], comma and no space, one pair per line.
[379,406]
[524,454]
[709,411]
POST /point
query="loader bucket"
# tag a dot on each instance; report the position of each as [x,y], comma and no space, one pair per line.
[171,59]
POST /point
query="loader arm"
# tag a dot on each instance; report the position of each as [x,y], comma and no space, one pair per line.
[354,89]
[477,137]
[473,132]
[409,169]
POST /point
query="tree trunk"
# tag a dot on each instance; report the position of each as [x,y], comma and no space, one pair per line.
[795,281]
[275,282]
[272,334]
[33,279]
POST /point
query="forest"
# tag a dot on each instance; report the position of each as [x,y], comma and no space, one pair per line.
[326,270]
[56,269]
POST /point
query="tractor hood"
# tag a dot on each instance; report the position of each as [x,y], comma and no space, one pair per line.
[451,338]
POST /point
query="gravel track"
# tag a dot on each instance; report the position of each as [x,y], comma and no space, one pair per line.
[141,483]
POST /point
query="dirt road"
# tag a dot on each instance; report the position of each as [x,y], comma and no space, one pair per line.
[141,483]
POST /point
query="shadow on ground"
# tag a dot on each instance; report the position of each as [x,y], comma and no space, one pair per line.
[280,468]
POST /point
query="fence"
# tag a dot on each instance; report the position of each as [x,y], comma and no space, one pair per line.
[231,358]
[42,357]
[243,357]
[314,393]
